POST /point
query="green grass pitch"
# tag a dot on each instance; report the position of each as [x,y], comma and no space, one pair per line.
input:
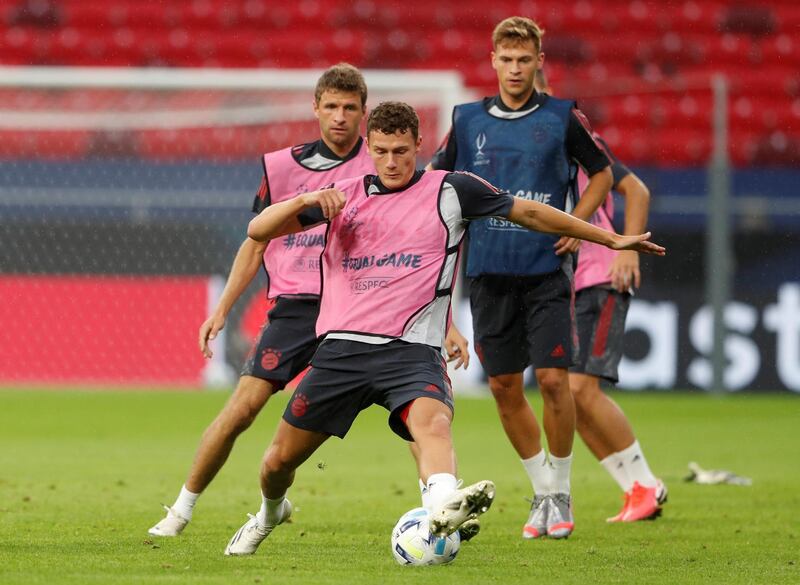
[82,475]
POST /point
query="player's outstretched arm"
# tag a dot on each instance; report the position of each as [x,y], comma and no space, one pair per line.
[624,271]
[592,197]
[281,218]
[543,218]
[244,269]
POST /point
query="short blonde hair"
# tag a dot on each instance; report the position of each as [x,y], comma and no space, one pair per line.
[518,29]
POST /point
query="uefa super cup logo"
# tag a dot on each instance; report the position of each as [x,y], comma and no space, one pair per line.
[480,142]
[480,157]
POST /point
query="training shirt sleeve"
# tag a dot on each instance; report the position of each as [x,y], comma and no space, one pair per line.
[311,216]
[581,145]
[618,169]
[478,198]
[444,159]
[262,200]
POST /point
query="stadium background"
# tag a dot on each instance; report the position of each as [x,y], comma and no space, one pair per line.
[115,238]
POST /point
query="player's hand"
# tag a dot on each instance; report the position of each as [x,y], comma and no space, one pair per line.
[565,245]
[638,243]
[457,348]
[208,331]
[331,201]
[624,271]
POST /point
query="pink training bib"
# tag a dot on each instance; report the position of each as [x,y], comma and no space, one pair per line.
[386,260]
[292,261]
[594,260]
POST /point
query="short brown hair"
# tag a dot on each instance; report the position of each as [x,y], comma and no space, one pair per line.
[518,29]
[389,117]
[342,77]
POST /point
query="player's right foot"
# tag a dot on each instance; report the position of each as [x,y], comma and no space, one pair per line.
[252,533]
[560,522]
[171,525]
[621,514]
[643,504]
[465,504]
[536,526]
[469,529]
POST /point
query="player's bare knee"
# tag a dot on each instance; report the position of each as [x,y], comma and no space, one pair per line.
[276,460]
[438,425]
[237,417]
[585,392]
[247,401]
[552,383]
[507,392]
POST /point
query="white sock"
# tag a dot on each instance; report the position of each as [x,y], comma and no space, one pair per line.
[440,486]
[185,503]
[423,490]
[538,472]
[636,465]
[271,511]
[616,469]
[561,467]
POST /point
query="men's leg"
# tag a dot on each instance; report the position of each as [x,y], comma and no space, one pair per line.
[289,449]
[237,415]
[283,349]
[498,316]
[240,411]
[429,423]
[559,410]
[516,414]
[600,421]
[551,338]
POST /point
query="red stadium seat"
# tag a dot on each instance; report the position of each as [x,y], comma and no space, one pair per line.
[589,45]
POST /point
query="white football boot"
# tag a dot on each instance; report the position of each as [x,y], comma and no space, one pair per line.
[464,504]
[171,525]
[252,533]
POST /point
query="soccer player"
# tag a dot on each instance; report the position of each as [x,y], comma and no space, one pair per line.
[388,270]
[288,338]
[604,281]
[521,282]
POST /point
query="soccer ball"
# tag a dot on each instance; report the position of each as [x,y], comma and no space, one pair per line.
[413,543]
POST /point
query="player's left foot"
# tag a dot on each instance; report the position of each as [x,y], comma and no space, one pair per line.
[465,504]
[643,504]
[252,533]
[469,529]
[560,522]
[171,525]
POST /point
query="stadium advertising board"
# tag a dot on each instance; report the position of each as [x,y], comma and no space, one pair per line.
[668,342]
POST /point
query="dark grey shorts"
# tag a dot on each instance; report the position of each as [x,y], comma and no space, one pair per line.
[600,313]
[348,376]
[520,321]
[286,342]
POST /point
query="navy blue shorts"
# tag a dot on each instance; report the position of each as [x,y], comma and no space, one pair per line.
[348,376]
[286,342]
[520,321]
[600,313]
